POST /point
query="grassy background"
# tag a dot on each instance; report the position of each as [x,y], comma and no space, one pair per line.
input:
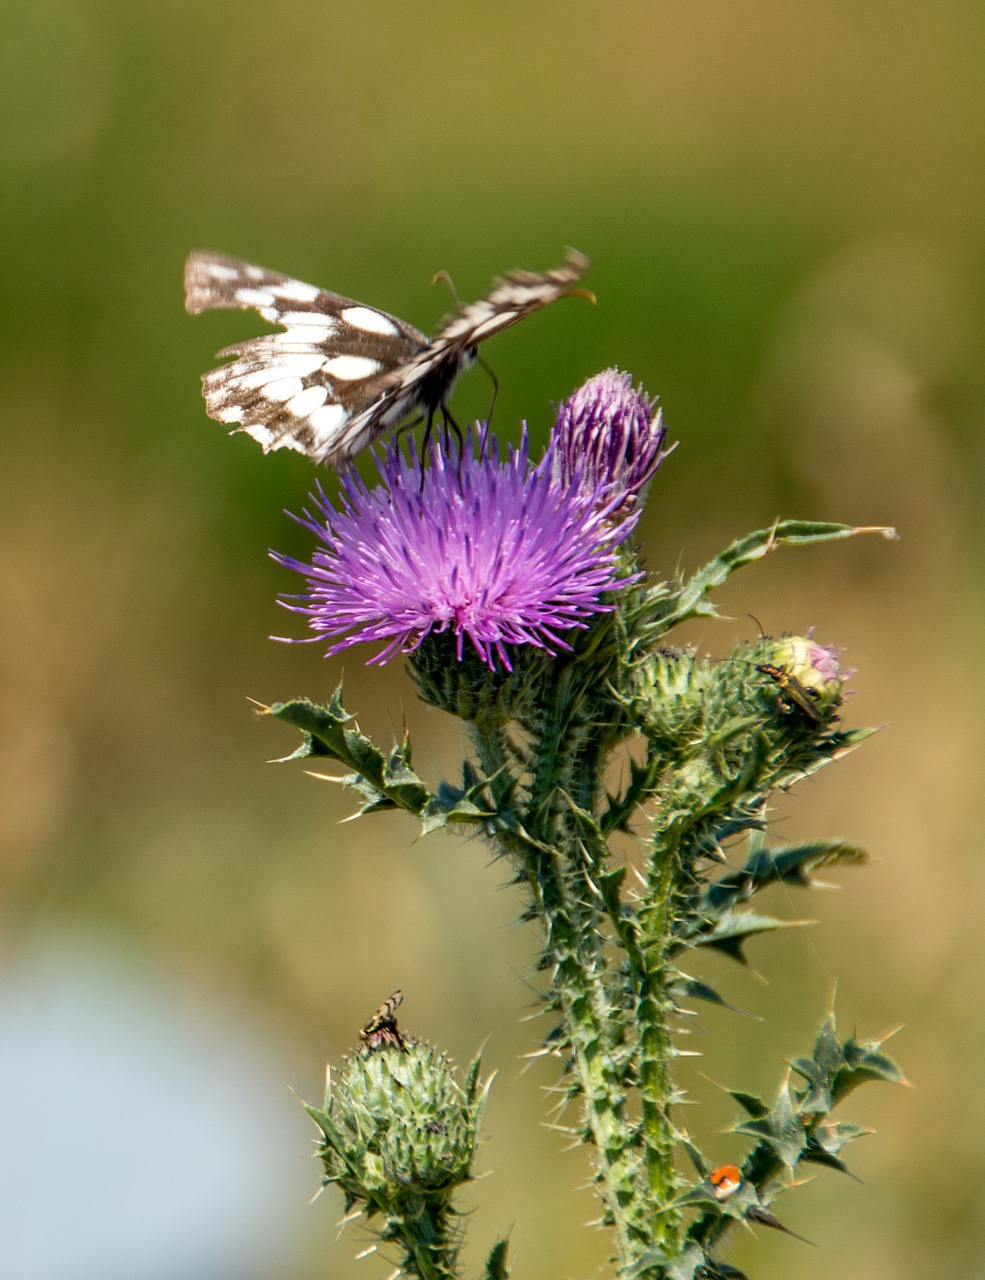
[784,205]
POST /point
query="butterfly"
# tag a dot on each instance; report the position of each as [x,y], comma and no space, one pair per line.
[342,374]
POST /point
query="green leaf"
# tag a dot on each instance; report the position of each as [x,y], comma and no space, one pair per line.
[827,1140]
[381,781]
[816,1099]
[690,600]
[730,932]
[698,1158]
[690,1264]
[782,1131]
[750,1103]
[469,804]
[864,1062]
[683,987]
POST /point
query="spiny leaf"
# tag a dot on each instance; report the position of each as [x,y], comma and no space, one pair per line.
[690,1264]
[496,1268]
[690,599]
[730,932]
[864,1062]
[790,864]
[381,781]
[827,1140]
[816,1098]
[750,1103]
[782,1131]
[683,987]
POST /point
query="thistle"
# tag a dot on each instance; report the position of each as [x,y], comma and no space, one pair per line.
[516,593]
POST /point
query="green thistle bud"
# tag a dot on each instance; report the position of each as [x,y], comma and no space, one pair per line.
[397,1117]
[816,667]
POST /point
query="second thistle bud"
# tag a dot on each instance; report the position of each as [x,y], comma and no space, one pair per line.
[807,675]
[608,438]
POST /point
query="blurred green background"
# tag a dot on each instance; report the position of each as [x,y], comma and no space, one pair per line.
[784,205]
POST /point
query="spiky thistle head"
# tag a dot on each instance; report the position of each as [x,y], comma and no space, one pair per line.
[488,551]
[398,1117]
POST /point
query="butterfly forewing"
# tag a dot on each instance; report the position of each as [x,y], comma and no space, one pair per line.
[512,297]
[341,373]
[302,388]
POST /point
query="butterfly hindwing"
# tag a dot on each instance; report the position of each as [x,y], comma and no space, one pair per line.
[341,373]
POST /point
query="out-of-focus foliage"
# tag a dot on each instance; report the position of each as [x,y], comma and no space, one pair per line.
[784,206]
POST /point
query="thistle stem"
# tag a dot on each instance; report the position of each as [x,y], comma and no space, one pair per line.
[423,1230]
[563,858]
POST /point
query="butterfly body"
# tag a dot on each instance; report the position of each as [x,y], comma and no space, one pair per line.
[342,374]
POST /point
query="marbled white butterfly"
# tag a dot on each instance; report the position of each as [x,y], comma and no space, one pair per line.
[342,373]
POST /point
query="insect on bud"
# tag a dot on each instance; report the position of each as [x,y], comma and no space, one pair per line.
[807,674]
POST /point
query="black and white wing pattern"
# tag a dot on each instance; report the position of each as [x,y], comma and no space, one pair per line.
[341,374]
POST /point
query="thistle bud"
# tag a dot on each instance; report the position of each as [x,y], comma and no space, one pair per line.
[398,1117]
[608,438]
[814,666]
[808,674]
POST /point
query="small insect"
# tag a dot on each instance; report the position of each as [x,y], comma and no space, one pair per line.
[382,1031]
[795,694]
[342,374]
[725,1182]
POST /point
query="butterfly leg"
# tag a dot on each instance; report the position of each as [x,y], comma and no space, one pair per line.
[495,391]
[425,442]
[449,421]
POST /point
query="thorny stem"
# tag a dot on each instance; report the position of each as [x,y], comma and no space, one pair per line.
[656,1049]
[565,864]
[430,1252]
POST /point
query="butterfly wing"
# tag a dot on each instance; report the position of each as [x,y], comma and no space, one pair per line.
[341,374]
[334,363]
[512,298]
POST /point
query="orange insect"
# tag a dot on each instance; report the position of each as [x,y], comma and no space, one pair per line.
[725,1182]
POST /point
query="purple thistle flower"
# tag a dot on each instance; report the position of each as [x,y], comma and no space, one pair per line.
[608,437]
[488,550]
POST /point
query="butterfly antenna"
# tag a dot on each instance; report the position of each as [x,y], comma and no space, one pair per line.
[495,392]
[445,278]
